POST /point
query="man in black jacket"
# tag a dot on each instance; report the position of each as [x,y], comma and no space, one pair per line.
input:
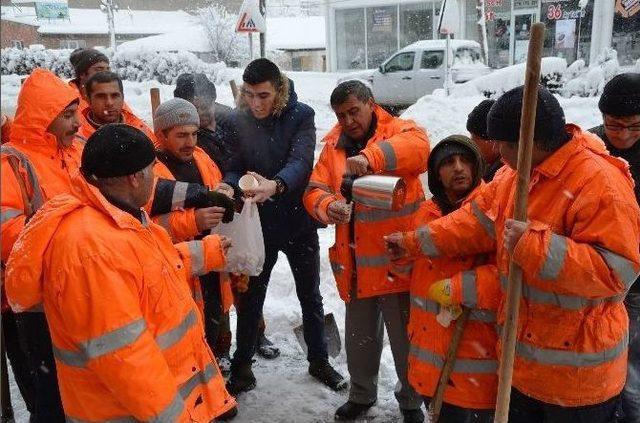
[275,143]
[620,107]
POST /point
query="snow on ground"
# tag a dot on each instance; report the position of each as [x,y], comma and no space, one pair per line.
[285,392]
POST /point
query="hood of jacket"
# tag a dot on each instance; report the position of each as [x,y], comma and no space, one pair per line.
[435,185]
[25,267]
[42,98]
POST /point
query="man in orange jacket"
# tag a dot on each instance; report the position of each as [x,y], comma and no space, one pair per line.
[105,95]
[133,347]
[37,164]
[368,139]
[455,175]
[578,254]
[176,122]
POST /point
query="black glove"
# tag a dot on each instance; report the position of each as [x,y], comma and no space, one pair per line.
[216,199]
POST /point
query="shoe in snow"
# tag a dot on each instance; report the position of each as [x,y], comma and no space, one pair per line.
[229,415]
[351,410]
[412,416]
[322,370]
[266,349]
[224,363]
[241,379]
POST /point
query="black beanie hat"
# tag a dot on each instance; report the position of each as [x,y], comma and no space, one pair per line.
[477,120]
[262,70]
[503,120]
[116,149]
[191,85]
[621,95]
[83,58]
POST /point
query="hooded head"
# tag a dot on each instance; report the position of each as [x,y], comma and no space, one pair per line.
[448,171]
[43,96]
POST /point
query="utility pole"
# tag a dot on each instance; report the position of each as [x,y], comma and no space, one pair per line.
[263,35]
[109,7]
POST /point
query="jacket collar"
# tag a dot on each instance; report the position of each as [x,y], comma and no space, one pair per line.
[554,164]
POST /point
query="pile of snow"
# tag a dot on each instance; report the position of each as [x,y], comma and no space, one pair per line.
[501,80]
[584,81]
[133,65]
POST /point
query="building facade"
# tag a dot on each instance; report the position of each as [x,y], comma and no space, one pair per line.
[361,34]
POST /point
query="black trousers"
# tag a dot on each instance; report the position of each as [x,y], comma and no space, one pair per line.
[450,413]
[524,409]
[33,333]
[17,358]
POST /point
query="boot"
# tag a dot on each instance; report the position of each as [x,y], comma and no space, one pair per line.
[266,349]
[224,363]
[229,415]
[322,371]
[351,410]
[241,379]
[412,416]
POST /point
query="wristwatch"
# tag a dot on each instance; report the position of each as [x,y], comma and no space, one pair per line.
[280,185]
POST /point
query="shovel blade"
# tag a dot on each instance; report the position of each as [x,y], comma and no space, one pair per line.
[331,335]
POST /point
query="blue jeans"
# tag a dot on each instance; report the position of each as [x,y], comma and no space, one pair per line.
[303,254]
[631,392]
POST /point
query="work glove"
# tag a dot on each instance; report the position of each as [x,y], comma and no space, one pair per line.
[440,292]
[218,199]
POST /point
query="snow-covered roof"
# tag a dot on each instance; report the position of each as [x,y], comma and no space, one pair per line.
[294,33]
[437,44]
[94,21]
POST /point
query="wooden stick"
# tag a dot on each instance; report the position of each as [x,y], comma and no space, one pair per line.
[234,91]
[435,406]
[155,99]
[514,289]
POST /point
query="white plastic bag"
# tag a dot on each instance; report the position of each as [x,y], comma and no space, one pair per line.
[246,255]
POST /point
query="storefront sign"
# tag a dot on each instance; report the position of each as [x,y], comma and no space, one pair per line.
[52,10]
[525,4]
[382,21]
[627,8]
[563,11]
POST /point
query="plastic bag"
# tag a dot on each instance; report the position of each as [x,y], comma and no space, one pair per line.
[246,255]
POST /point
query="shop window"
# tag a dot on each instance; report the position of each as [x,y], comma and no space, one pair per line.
[416,23]
[350,42]
[296,63]
[382,34]
[17,44]
[432,59]
[626,33]
[400,62]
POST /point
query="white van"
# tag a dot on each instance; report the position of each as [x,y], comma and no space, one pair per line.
[419,68]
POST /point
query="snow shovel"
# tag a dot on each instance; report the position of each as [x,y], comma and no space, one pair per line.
[331,336]
[450,360]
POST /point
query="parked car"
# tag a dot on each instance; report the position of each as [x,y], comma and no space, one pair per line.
[419,69]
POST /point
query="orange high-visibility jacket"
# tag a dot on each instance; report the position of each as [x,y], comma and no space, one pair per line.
[211,177]
[45,167]
[579,256]
[128,117]
[5,130]
[127,337]
[398,147]
[474,380]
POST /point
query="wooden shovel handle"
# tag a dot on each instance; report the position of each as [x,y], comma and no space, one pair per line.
[155,100]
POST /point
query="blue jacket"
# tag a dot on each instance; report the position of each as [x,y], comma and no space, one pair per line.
[280,145]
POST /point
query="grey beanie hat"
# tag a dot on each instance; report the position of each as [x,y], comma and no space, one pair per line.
[175,112]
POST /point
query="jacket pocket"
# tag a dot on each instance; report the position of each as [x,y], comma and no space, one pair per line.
[161,290]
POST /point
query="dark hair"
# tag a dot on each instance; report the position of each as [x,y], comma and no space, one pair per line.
[191,85]
[352,87]
[262,70]
[102,78]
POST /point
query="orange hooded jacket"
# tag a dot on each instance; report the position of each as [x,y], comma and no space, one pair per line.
[45,166]
[127,337]
[398,147]
[474,380]
[579,256]
[211,177]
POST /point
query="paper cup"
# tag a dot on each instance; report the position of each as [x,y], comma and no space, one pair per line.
[247,182]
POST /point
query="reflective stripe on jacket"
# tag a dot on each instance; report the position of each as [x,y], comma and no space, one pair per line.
[398,147]
[579,257]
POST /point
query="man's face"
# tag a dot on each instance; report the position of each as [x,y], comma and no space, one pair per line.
[142,184]
[354,116]
[488,149]
[206,111]
[106,102]
[93,69]
[622,131]
[66,125]
[180,141]
[456,175]
[261,98]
